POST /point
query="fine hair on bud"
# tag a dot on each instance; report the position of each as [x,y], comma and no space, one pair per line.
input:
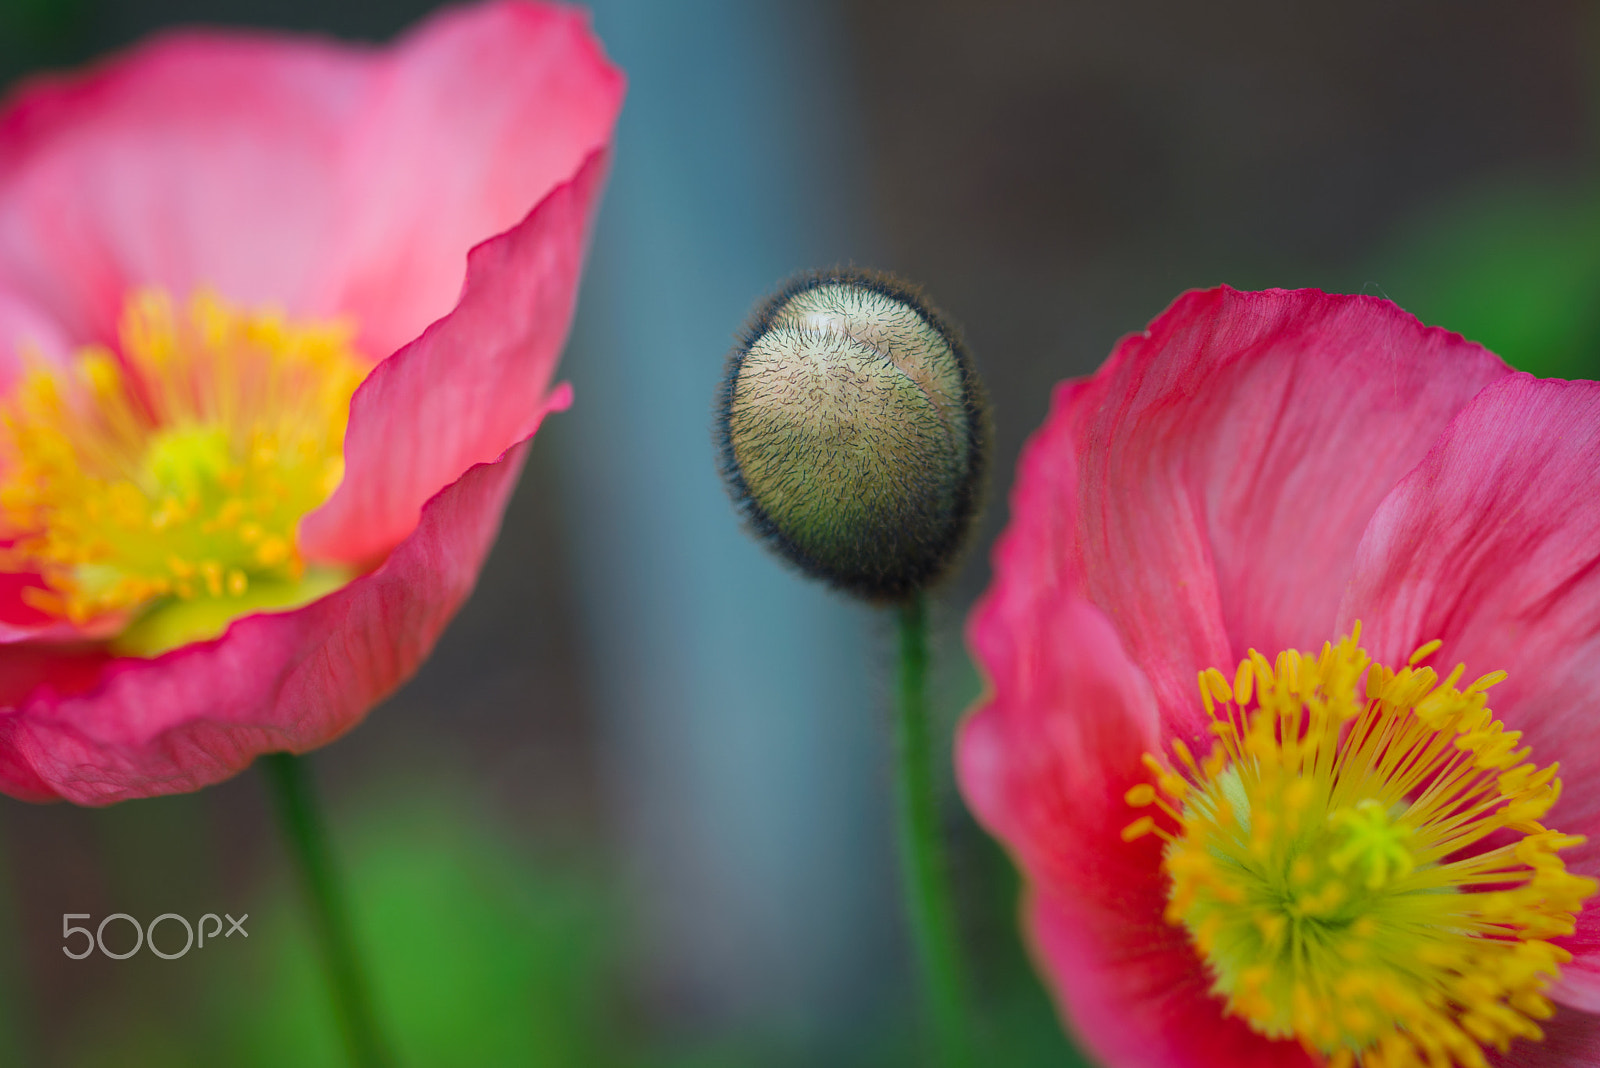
[854,433]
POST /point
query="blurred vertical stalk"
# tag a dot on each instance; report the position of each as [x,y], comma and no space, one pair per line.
[305,833]
[926,873]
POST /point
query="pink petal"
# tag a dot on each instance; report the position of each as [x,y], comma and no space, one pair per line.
[200,158]
[1233,455]
[25,329]
[1580,980]
[295,680]
[480,114]
[53,671]
[325,178]
[1571,1040]
[1492,544]
[1046,756]
[1045,762]
[1131,988]
[473,383]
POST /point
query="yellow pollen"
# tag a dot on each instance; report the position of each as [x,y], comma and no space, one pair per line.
[1332,859]
[157,490]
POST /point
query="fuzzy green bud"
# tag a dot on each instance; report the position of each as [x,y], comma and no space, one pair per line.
[854,433]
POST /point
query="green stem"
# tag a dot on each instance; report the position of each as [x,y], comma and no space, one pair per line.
[927,879]
[306,835]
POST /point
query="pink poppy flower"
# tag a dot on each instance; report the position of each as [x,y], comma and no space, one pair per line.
[1240,855]
[276,323]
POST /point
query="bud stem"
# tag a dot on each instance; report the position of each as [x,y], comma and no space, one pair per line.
[305,833]
[927,878]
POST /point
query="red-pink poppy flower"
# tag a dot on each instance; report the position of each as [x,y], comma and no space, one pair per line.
[1268,858]
[276,321]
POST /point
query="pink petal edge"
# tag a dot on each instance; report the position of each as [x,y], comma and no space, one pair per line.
[482,112]
[287,681]
[1223,495]
[326,178]
[1045,760]
[474,382]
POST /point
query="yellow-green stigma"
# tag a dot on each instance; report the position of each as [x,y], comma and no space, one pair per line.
[157,490]
[1331,859]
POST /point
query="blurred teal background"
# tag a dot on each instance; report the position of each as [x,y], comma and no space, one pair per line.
[633,812]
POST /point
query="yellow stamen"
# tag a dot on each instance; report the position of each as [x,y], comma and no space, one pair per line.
[166,481]
[1331,859]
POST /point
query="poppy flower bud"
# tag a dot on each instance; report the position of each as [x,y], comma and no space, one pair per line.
[854,432]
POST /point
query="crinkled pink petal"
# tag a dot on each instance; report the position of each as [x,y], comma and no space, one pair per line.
[1234,454]
[474,382]
[294,680]
[1492,544]
[324,178]
[1134,992]
[479,114]
[39,672]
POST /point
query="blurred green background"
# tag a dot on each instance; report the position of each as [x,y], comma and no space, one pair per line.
[633,812]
